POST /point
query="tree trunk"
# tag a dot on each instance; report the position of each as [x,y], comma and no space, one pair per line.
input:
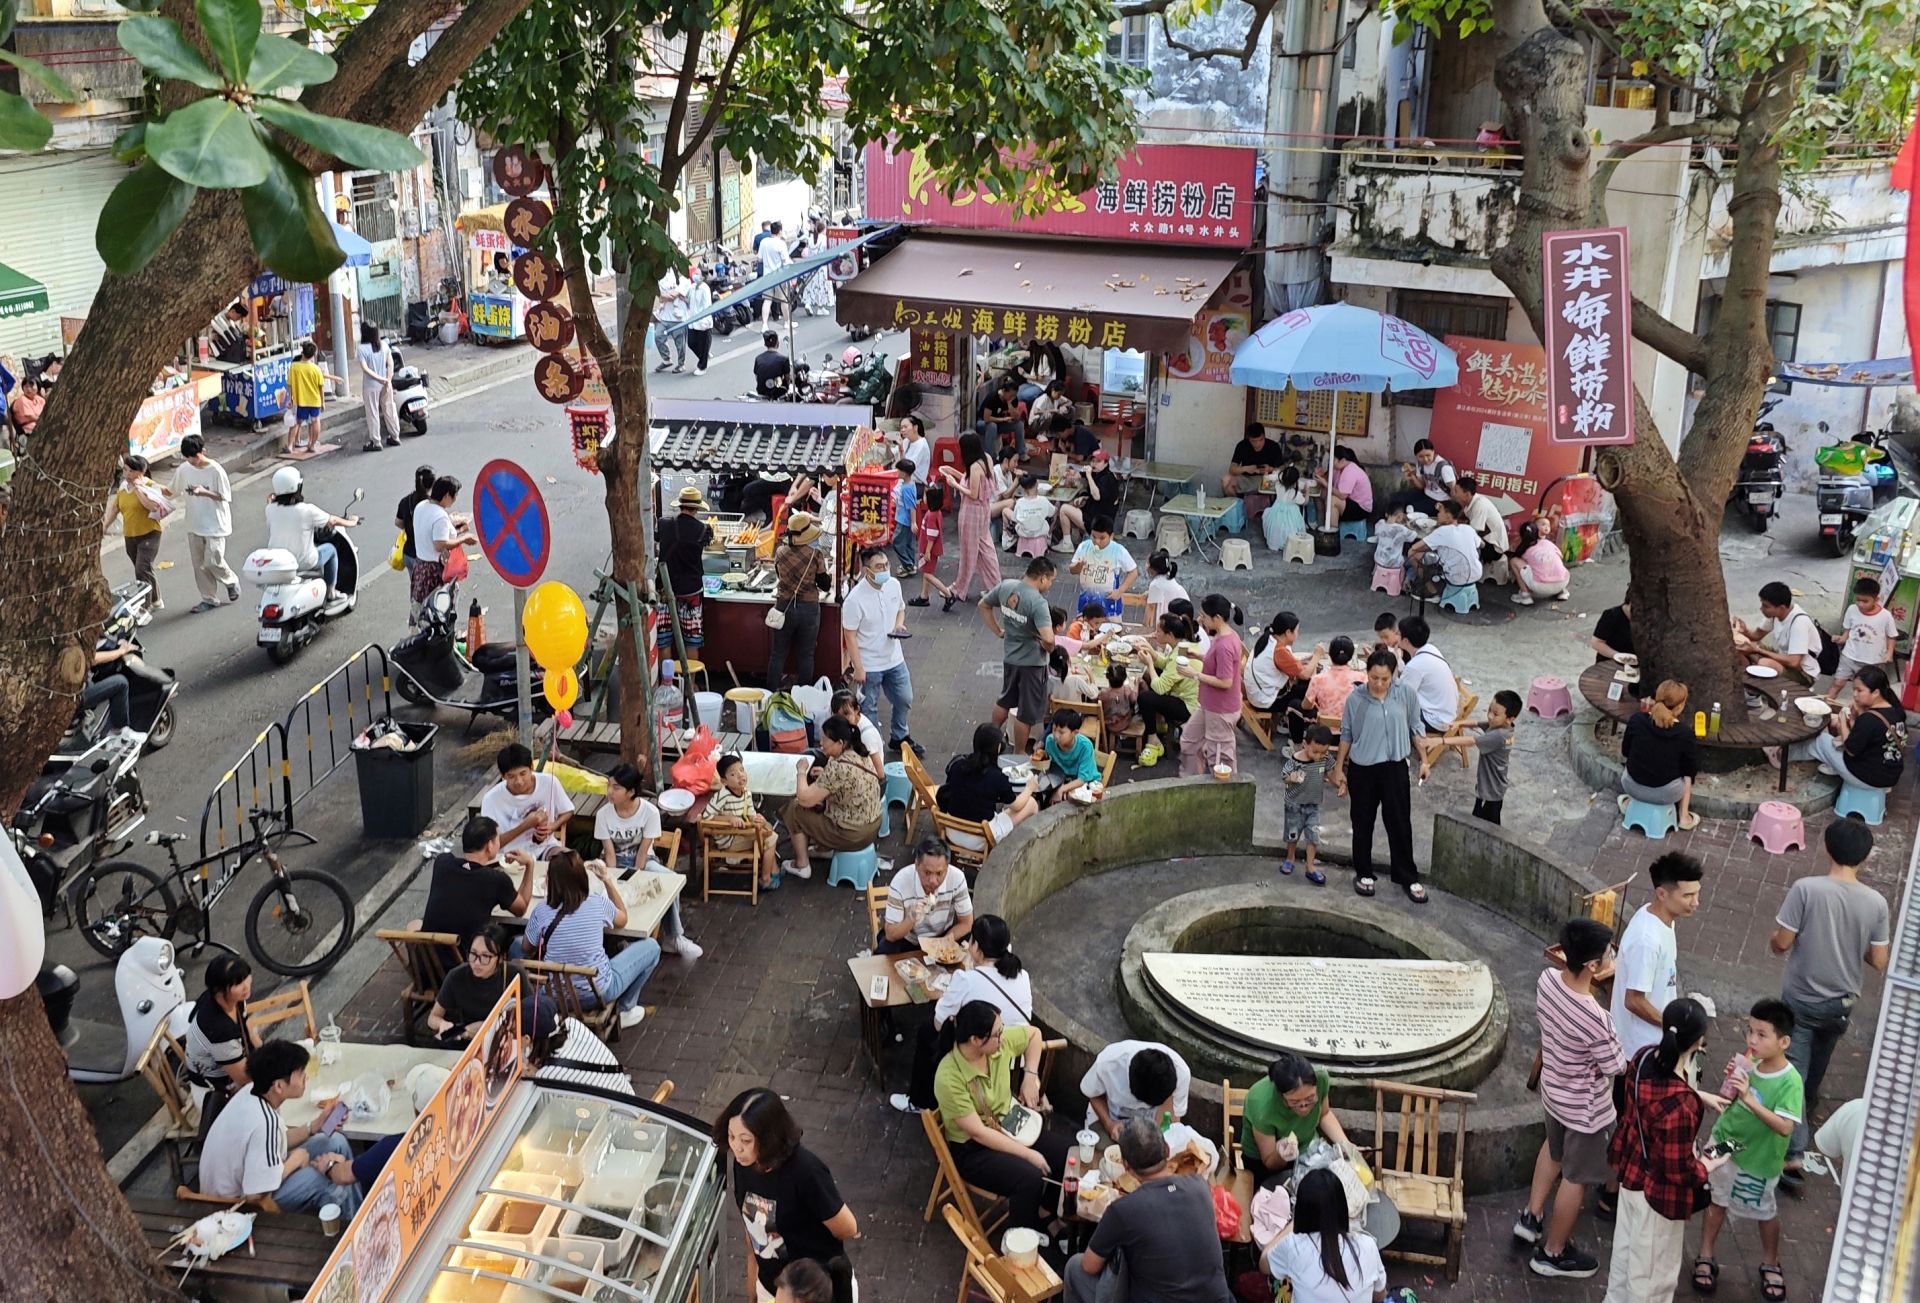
[68,1234]
[633,560]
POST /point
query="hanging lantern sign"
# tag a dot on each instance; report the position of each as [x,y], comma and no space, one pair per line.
[537,275]
[517,171]
[549,327]
[525,219]
[558,379]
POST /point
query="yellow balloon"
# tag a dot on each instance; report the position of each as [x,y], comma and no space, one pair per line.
[562,688]
[555,626]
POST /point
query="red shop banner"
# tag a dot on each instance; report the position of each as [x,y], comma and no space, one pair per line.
[1492,423]
[1159,194]
[1589,319]
[931,353]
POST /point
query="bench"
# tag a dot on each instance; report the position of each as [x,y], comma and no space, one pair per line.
[288,1248]
[1782,731]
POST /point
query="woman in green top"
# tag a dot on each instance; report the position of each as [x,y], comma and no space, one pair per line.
[1168,695]
[1285,1110]
[973,1087]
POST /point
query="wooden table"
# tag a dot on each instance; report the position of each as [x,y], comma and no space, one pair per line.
[1204,522]
[288,1249]
[1158,473]
[647,894]
[873,1017]
[388,1063]
[1783,730]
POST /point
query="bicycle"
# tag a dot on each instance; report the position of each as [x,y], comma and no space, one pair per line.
[116,902]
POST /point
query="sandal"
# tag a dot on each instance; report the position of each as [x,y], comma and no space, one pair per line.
[1316,877]
[1691,822]
[1415,893]
[1363,886]
[1286,866]
[1706,1275]
[1773,1282]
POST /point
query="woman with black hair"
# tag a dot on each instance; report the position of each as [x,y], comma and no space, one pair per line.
[1207,741]
[626,827]
[1326,1261]
[218,1041]
[1167,694]
[423,478]
[472,989]
[973,484]
[786,1196]
[978,789]
[570,927]
[973,1086]
[996,977]
[835,807]
[806,1281]
[376,389]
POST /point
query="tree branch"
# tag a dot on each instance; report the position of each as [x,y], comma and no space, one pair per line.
[673,155]
[1242,53]
[716,97]
[1659,333]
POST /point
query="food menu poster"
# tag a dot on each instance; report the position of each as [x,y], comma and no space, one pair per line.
[402,1203]
[870,506]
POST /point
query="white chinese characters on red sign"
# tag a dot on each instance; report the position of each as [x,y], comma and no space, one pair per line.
[1589,329]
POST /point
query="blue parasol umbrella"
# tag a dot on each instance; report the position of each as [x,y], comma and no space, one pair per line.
[359,252]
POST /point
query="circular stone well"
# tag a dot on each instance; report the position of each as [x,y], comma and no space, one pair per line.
[1229,976]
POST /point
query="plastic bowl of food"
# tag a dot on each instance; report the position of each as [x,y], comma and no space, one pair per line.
[675,800]
[1021,1247]
[1222,773]
[1814,711]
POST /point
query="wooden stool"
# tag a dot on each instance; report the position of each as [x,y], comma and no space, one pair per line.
[1548,698]
[1778,827]
[1656,821]
[1139,524]
[1299,548]
[1236,554]
[1173,535]
[1868,804]
[1387,579]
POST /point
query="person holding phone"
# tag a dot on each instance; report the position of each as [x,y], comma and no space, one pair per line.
[472,989]
[252,1151]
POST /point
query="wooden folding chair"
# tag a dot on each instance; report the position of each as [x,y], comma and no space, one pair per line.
[556,980]
[1260,723]
[293,1002]
[668,846]
[948,1187]
[968,856]
[1093,721]
[876,896]
[163,1064]
[258,1202]
[716,862]
[1234,1173]
[1461,718]
[1331,723]
[1411,1172]
[423,958]
[924,790]
[976,1271]
[1105,760]
[663,1092]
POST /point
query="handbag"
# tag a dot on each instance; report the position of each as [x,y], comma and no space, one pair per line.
[776,614]
[453,567]
[398,559]
[1019,1122]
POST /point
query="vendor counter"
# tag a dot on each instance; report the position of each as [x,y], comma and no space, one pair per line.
[736,631]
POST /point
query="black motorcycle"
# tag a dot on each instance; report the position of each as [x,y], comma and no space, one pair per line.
[431,667]
[1758,488]
[78,814]
[150,688]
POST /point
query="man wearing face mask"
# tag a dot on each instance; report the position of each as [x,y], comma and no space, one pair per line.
[873,624]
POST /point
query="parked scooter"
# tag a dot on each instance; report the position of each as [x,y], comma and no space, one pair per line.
[149,991]
[431,669]
[410,396]
[1758,488]
[150,688]
[77,814]
[1852,476]
[295,602]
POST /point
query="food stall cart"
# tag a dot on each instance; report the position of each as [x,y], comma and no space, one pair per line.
[511,1190]
[695,439]
[496,311]
[278,316]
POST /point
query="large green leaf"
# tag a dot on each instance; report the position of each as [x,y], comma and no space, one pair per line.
[231,28]
[355,143]
[290,232]
[209,143]
[279,62]
[139,215]
[7,14]
[39,71]
[159,46]
[21,125]
[130,146]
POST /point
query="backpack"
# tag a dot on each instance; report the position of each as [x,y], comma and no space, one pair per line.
[1825,649]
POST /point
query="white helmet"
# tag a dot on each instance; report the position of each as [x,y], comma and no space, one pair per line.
[286,480]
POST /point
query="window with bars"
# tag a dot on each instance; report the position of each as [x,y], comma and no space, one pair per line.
[1127,41]
[1783,333]
[1441,315]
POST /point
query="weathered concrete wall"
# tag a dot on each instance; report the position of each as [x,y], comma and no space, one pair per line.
[1496,870]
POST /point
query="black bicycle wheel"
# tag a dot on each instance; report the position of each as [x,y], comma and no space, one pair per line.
[116,902]
[293,916]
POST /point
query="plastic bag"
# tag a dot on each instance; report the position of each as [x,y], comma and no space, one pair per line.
[366,1096]
[694,770]
[814,699]
[577,781]
[1226,1212]
[453,566]
[397,560]
[1321,1153]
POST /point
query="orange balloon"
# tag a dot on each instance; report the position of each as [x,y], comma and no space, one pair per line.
[562,687]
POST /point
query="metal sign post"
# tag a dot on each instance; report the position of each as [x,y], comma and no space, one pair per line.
[510,518]
[522,669]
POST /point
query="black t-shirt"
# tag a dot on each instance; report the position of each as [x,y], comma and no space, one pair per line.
[971,793]
[993,407]
[770,372]
[1083,442]
[465,998]
[1615,630]
[1875,745]
[683,541]
[404,513]
[1245,454]
[786,1211]
[1109,485]
[1656,756]
[461,896]
[1166,1231]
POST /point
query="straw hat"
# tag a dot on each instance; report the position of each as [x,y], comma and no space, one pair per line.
[803,527]
[690,499]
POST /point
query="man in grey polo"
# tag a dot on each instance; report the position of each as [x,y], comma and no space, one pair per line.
[1377,728]
[1017,610]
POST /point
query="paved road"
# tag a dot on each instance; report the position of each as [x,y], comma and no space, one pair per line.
[230,690]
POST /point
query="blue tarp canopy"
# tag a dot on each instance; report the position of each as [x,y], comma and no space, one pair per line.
[359,252]
[791,271]
[1851,375]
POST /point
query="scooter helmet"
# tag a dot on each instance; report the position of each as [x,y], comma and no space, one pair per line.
[851,357]
[286,480]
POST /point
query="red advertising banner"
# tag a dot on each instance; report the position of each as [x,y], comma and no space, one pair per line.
[1159,194]
[1589,317]
[1492,422]
[931,353]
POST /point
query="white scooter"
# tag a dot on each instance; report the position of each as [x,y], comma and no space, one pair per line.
[410,396]
[147,985]
[295,603]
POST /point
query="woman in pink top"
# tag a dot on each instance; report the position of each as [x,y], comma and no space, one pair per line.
[1538,570]
[1208,739]
[1352,490]
[979,559]
[1328,692]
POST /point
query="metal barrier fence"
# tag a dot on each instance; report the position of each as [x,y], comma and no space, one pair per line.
[291,758]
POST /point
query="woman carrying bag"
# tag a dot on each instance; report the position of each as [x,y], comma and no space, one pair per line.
[793,621]
[1662,1180]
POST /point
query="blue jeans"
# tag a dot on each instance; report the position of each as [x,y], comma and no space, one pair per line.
[1817,1028]
[308,1189]
[329,564]
[631,969]
[113,689]
[371,1161]
[903,548]
[898,685]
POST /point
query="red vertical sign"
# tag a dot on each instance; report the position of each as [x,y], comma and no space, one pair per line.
[1589,320]
[1906,176]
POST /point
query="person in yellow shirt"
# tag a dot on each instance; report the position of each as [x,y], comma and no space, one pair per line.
[306,380]
[133,503]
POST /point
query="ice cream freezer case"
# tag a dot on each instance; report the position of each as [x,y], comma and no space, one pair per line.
[563,1193]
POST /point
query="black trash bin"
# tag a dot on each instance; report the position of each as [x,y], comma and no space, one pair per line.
[396,787]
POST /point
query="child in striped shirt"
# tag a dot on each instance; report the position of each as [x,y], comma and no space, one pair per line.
[731,804]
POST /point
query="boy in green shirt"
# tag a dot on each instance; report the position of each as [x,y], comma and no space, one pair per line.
[1756,1124]
[1071,755]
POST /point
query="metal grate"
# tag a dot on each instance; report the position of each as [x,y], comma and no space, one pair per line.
[736,446]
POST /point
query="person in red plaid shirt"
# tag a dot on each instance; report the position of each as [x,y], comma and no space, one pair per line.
[1653,1152]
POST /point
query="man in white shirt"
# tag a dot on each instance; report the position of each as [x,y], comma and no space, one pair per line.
[928,898]
[1480,513]
[773,256]
[1429,677]
[670,310]
[873,624]
[250,1149]
[531,810]
[1135,1079]
[1646,974]
[1453,543]
[202,483]
[1789,641]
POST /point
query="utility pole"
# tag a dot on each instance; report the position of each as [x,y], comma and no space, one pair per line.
[336,307]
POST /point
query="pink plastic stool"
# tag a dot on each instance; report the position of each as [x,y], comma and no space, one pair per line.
[1386,579]
[1778,827]
[1548,698]
[1035,546]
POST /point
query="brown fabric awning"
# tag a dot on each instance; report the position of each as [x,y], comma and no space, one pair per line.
[1103,295]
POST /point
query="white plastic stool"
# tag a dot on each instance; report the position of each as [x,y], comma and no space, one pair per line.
[1299,548]
[1236,554]
[1173,535]
[1139,524]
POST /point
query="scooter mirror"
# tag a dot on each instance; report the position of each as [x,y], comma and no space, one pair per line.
[359,494]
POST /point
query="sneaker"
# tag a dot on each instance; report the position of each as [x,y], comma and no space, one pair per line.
[902,1104]
[917,601]
[146,618]
[663,366]
[630,1018]
[771,884]
[800,871]
[132,735]
[682,367]
[688,948]
[700,370]
[1521,598]
[1528,1228]
[393,441]
[902,743]
[1571,1262]
[1563,595]
[1063,547]
[370,446]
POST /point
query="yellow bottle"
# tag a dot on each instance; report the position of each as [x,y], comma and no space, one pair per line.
[1699,723]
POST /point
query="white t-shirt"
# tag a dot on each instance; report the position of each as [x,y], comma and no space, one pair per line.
[1458,548]
[1487,522]
[868,613]
[1869,639]
[207,517]
[627,832]
[246,1149]
[1101,566]
[1649,962]
[773,254]
[1297,1258]
[952,899]
[1792,635]
[506,809]
[1261,679]
[431,523]
[1108,1077]
[1032,517]
[869,735]
[1161,591]
[377,360]
[1431,679]
[673,299]
[1012,996]
[920,453]
[291,528]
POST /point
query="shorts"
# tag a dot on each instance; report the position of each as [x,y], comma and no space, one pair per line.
[1849,668]
[1024,688]
[1744,1195]
[307,413]
[1582,1155]
[1303,823]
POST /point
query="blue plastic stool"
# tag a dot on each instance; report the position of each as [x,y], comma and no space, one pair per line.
[1461,598]
[1869,803]
[854,867]
[899,788]
[1354,529]
[1656,821]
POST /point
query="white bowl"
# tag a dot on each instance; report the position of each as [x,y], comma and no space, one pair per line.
[1814,711]
[1763,672]
[675,800]
[1021,1246]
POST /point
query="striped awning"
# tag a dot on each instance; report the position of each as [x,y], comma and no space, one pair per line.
[20,294]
